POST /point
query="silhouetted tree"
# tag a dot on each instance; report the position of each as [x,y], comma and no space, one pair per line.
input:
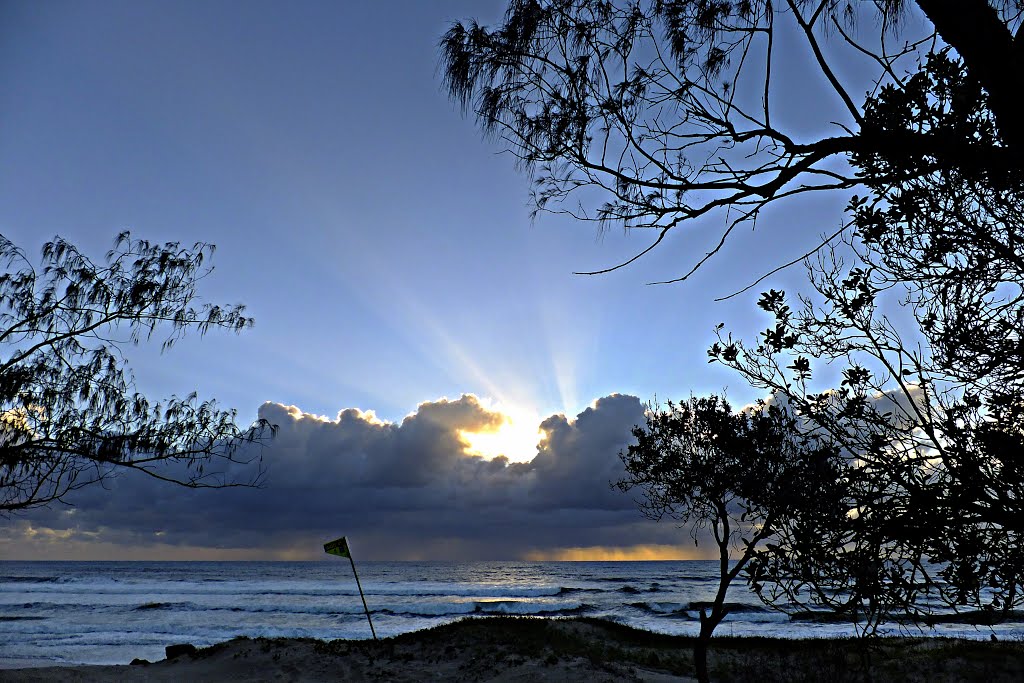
[931,406]
[953,243]
[654,113]
[934,495]
[651,114]
[744,477]
[69,414]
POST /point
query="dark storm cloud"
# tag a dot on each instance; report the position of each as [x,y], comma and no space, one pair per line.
[402,489]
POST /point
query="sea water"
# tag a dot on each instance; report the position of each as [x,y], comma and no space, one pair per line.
[113,612]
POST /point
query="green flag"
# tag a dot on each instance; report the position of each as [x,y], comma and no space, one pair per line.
[338,547]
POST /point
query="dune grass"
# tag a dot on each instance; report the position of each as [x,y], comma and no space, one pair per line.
[483,647]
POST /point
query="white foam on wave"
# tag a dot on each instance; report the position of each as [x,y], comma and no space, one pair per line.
[73,612]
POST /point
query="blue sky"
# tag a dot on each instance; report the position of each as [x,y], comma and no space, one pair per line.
[383,246]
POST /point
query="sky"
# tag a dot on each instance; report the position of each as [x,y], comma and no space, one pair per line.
[412,323]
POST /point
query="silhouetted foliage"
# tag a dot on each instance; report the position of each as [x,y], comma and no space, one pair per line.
[954,243]
[748,478]
[651,114]
[934,494]
[663,111]
[69,414]
[930,408]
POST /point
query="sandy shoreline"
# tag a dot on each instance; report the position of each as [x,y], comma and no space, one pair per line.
[575,650]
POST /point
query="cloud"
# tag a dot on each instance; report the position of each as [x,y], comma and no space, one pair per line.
[405,490]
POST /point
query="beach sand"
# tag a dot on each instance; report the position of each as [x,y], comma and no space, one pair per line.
[572,650]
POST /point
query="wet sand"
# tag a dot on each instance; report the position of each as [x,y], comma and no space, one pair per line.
[572,650]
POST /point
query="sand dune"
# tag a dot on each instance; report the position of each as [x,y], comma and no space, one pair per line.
[573,650]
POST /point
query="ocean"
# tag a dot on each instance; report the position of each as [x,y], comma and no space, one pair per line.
[113,612]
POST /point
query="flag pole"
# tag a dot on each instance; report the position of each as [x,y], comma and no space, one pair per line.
[341,549]
[360,587]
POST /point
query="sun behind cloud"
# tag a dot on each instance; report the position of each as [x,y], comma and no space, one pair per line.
[516,437]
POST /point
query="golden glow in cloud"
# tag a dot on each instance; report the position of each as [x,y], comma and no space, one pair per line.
[611,554]
[516,437]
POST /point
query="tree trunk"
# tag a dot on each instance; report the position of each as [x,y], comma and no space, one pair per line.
[700,647]
[700,658]
[991,53]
